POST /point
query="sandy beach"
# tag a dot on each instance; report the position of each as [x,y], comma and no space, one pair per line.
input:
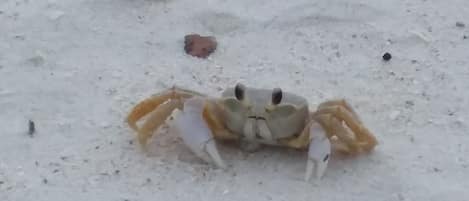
[77,67]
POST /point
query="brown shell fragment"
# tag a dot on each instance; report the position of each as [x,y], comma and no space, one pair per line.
[199,46]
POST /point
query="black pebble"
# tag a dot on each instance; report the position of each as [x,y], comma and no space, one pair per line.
[32,128]
[387,56]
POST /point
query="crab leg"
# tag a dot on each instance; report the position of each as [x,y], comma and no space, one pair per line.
[149,104]
[156,118]
[343,103]
[335,128]
[318,153]
[190,125]
[159,107]
[363,135]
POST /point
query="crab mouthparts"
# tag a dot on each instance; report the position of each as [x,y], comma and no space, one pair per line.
[257,117]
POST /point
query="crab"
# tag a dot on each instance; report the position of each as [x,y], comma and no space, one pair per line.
[254,117]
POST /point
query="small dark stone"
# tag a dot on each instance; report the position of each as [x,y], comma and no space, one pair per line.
[409,103]
[460,24]
[37,61]
[387,56]
[337,54]
[20,37]
[45,181]
[117,172]
[32,128]
[465,37]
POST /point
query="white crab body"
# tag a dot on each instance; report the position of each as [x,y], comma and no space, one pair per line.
[258,120]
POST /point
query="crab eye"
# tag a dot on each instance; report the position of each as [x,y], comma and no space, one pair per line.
[325,158]
[276,96]
[239,91]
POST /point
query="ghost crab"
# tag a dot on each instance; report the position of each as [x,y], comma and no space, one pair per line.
[254,117]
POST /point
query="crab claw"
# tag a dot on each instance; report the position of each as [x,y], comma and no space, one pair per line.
[192,128]
[319,152]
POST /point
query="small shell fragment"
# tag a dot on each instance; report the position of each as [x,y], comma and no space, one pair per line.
[199,46]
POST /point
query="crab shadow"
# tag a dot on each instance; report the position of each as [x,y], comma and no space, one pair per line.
[268,160]
[291,163]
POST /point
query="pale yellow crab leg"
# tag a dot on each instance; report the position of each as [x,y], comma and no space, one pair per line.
[343,103]
[364,137]
[335,128]
[213,120]
[149,104]
[156,118]
[300,142]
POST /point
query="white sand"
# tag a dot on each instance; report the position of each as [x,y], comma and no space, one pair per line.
[76,67]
